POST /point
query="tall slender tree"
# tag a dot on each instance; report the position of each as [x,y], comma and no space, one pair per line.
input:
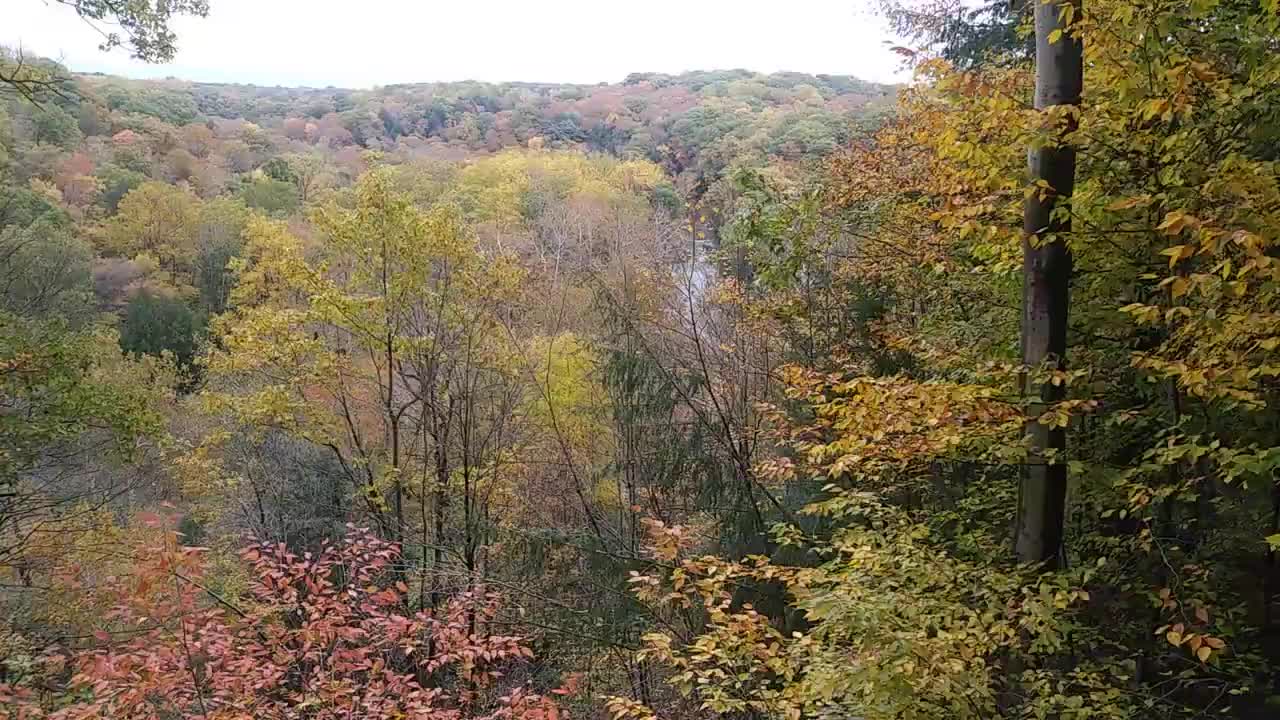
[1046,276]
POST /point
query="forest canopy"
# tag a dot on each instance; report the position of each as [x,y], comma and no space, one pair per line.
[712,395]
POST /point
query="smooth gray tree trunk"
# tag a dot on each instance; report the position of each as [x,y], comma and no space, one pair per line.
[1046,273]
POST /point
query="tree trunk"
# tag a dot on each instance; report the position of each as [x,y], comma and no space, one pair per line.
[393,427]
[1046,273]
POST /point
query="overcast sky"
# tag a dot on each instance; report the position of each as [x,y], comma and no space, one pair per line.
[359,43]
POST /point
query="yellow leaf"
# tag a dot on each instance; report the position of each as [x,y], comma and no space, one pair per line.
[1203,653]
[1176,253]
[1174,222]
[1174,637]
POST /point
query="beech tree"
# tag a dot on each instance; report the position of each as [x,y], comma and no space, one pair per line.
[1046,278]
[1172,340]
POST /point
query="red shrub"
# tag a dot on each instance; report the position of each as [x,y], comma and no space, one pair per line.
[323,637]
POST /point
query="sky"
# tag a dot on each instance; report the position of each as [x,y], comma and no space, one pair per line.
[362,43]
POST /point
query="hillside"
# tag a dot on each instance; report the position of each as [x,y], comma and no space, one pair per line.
[164,241]
[717,396]
[694,124]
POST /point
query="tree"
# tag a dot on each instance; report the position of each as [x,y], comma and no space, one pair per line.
[278,168]
[383,348]
[157,219]
[1046,278]
[1170,400]
[274,197]
[54,126]
[967,34]
[155,325]
[219,240]
[46,273]
[76,181]
[33,79]
[310,173]
[23,206]
[116,182]
[325,636]
[140,25]
[68,403]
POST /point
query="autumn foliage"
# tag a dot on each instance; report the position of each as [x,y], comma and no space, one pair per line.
[324,635]
[742,394]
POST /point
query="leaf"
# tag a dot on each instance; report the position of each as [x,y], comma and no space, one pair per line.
[1055,36]
[1176,253]
[1203,653]
[1174,223]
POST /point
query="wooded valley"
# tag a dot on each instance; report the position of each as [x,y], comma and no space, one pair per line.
[711,395]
